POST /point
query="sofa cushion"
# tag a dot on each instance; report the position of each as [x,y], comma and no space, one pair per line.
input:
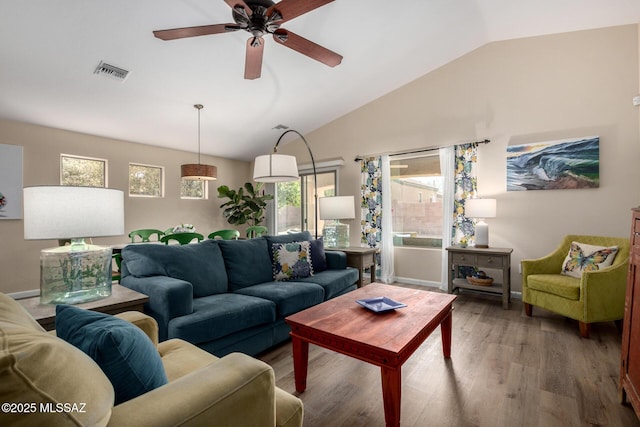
[247,262]
[291,260]
[200,264]
[555,284]
[124,353]
[216,316]
[289,297]
[318,256]
[38,368]
[583,257]
[334,282]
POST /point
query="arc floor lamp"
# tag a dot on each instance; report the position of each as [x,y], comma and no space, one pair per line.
[276,167]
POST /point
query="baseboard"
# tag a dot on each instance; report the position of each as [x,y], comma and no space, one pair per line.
[25,294]
[426,283]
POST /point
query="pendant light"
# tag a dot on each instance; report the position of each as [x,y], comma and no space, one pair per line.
[198,172]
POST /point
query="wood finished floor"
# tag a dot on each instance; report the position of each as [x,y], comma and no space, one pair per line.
[506,370]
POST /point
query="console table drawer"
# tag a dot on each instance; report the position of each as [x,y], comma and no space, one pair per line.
[489,261]
[463,259]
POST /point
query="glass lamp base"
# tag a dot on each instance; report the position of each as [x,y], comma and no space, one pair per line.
[336,235]
[75,274]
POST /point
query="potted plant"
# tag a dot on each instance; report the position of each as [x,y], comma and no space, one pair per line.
[246,205]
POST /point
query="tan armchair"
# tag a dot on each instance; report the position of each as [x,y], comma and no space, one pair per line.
[598,296]
[38,368]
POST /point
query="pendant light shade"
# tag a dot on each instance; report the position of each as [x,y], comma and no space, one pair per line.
[198,172]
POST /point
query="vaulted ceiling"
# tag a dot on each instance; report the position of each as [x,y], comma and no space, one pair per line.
[49,51]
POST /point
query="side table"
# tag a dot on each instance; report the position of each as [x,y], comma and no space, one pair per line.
[360,258]
[121,299]
[495,258]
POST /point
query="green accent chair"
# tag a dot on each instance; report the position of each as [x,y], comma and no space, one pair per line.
[145,234]
[182,238]
[598,296]
[256,231]
[227,234]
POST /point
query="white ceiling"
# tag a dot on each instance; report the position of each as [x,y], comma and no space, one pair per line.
[49,50]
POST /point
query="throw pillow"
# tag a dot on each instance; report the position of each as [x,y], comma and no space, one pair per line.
[318,257]
[583,257]
[124,353]
[291,260]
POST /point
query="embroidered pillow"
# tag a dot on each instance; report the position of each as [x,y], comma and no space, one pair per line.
[291,261]
[583,257]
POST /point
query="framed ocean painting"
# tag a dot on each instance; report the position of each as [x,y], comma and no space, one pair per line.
[554,165]
[10,181]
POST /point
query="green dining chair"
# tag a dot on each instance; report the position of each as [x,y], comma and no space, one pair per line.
[168,231]
[256,231]
[182,238]
[115,274]
[226,234]
[145,234]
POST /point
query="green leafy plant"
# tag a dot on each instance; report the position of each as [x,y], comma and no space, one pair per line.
[246,205]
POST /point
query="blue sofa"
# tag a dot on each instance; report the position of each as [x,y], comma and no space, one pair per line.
[220,294]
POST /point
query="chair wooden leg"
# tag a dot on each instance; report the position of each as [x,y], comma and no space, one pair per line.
[585,328]
[528,309]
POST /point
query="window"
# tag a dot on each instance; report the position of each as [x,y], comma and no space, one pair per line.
[296,204]
[146,180]
[82,171]
[193,189]
[416,201]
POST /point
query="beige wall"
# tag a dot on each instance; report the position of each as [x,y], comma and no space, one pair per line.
[19,259]
[513,92]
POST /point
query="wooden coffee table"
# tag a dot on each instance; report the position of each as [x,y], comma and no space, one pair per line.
[384,339]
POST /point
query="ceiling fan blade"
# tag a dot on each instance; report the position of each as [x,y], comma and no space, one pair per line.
[290,9]
[181,33]
[253,59]
[307,47]
[233,3]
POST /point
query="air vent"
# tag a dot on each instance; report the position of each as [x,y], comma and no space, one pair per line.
[111,71]
[280,127]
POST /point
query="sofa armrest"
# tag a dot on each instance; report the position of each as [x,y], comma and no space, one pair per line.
[147,323]
[168,298]
[336,260]
[236,390]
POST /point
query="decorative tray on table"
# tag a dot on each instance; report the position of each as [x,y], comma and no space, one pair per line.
[380,304]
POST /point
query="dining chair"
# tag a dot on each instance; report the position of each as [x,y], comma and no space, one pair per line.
[182,238]
[256,231]
[226,234]
[115,274]
[145,234]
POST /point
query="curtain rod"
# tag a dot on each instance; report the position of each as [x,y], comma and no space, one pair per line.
[417,150]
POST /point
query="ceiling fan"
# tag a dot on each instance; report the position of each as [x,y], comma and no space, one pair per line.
[261,17]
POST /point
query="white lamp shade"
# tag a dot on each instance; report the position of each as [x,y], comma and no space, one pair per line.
[338,207]
[275,168]
[480,208]
[63,212]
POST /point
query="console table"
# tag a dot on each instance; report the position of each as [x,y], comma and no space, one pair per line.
[494,258]
[360,258]
[121,299]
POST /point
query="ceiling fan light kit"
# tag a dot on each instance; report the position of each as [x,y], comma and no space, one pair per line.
[261,17]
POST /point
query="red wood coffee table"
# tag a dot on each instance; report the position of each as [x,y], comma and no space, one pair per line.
[385,339]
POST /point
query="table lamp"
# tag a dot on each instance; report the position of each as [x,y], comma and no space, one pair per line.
[78,272]
[480,209]
[335,233]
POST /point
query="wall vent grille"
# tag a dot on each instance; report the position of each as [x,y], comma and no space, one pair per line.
[111,71]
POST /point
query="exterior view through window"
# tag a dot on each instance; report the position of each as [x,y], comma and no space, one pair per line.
[82,171]
[416,198]
[146,180]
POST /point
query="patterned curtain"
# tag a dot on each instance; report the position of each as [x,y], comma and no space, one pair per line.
[466,186]
[371,203]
